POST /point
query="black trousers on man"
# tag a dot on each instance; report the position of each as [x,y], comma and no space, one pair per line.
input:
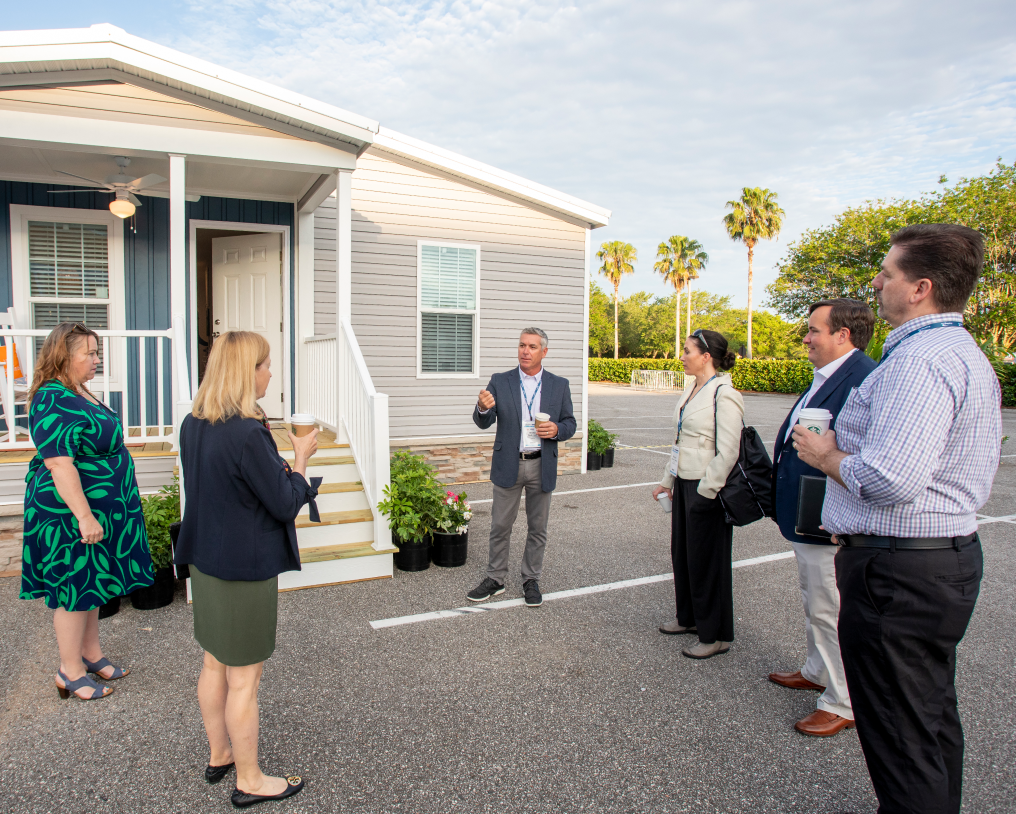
[902,614]
[701,543]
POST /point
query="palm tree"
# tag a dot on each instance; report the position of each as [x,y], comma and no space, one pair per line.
[618,258]
[756,216]
[678,260]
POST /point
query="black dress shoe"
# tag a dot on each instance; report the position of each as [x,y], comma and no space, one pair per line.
[213,774]
[242,799]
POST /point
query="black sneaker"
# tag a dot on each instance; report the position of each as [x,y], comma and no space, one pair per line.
[531,590]
[485,590]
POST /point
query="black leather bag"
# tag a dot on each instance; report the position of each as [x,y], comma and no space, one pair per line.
[810,497]
[748,493]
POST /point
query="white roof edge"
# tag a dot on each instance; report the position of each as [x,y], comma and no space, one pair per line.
[106,33]
[487,175]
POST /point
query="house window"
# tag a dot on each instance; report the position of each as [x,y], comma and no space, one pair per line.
[68,275]
[449,279]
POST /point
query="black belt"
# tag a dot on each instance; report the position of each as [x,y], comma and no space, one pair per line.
[894,543]
[528,456]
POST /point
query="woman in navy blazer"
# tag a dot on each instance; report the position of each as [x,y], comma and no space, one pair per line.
[238,534]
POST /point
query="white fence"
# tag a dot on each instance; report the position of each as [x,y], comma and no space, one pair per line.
[363,414]
[136,366]
[657,380]
[320,394]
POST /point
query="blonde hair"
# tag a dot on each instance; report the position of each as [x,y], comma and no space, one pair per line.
[54,359]
[228,388]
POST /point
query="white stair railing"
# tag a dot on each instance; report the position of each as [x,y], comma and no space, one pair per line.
[363,414]
[319,395]
[125,368]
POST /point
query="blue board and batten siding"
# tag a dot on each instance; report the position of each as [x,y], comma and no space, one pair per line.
[146,255]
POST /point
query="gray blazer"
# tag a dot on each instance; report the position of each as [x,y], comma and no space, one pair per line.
[555,400]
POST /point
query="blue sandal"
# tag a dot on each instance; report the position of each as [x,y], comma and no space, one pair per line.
[69,687]
[102,664]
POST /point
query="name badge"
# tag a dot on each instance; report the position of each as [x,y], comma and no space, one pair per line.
[530,440]
[675,453]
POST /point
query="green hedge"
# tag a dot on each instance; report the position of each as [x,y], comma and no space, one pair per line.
[760,375]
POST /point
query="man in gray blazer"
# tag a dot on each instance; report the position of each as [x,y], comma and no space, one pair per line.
[525,457]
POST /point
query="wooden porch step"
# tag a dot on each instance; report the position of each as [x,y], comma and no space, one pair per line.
[335,488]
[337,518]
[343,551]
[335,460]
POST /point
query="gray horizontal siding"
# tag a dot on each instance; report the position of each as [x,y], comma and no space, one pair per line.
[532,272]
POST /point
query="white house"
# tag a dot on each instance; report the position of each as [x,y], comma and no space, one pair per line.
[162,199]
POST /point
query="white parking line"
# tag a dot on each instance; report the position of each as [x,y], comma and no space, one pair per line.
[982,519]
[654,451]
[573,592]
[580,491]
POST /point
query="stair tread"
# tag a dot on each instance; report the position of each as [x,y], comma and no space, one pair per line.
[337,518]
[336,488]
[332,461]
[343,551]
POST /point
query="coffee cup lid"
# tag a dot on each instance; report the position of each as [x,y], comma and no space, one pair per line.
[812,412]
[542,416]
[303,418]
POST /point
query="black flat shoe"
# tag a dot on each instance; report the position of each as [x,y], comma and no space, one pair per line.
[213,774]
[241,799]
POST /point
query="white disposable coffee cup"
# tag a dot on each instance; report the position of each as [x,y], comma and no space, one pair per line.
[539,418]
[815,420]
[664,501]
[303,423]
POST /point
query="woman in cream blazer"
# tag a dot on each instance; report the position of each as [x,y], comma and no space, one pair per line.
[701,538]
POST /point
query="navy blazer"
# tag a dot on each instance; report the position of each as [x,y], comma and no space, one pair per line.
[787,467]
[241,501]
[555,400]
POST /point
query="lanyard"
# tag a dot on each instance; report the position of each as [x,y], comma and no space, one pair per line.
[530,401]
[680,418]
[951,324]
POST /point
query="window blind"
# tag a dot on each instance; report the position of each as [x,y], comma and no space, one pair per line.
[448,277]
[446,343]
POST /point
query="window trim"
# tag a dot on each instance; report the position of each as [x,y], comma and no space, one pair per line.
[20,215]
[475,311]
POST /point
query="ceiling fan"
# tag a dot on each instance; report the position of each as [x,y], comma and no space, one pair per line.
[121,185]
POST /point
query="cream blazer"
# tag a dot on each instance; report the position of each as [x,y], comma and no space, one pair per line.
[699,460]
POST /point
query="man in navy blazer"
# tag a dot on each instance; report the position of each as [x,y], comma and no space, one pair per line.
[525,457]
[838,333]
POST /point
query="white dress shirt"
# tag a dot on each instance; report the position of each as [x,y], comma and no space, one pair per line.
[530,385]
[822,375]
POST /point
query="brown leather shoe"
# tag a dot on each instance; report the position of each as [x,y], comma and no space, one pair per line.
[795,681]
[822,724]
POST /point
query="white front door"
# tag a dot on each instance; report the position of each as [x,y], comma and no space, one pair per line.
[247,296]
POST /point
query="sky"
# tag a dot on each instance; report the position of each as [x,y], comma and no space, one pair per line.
[659,111]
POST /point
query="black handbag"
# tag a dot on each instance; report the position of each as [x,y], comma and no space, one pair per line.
[748,493]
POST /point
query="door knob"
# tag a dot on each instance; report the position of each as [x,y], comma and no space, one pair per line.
[216,322]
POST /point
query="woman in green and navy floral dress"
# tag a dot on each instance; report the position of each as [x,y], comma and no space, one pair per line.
[85,539]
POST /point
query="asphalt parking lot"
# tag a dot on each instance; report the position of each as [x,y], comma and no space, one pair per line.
[578,706]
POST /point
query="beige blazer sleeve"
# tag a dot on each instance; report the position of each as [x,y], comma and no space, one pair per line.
[729,418]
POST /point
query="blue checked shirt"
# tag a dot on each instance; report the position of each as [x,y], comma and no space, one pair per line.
[923,434]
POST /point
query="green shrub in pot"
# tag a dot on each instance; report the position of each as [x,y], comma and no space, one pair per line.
[599,439]
[413,499]
[160,511]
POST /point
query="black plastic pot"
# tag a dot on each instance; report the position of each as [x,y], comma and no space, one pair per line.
[414,556]
[449,550]
[608,458]
[111,608]
[592,461]
[158,594]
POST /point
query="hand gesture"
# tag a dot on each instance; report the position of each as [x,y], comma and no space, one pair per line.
[91,530]
[486,401]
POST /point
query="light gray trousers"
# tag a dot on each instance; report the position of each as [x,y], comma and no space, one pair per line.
[505,509]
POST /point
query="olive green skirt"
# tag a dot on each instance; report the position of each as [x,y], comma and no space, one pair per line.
[235,621]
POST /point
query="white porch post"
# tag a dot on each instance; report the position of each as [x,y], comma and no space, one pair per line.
[178,286]
[585,358]
[305,303]
[343,282]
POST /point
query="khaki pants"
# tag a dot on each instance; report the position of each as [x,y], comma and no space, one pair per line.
[503,512]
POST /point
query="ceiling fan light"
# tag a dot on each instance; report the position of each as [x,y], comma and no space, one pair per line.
[121,208]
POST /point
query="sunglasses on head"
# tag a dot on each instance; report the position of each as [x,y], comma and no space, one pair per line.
[701,337]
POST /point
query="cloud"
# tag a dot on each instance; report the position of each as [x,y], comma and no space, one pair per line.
[660,111]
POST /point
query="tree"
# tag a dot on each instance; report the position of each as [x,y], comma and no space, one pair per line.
[678,260]
[618,259]
[755,216]
[599,321]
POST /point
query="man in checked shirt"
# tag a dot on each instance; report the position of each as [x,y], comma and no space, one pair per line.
[912,459]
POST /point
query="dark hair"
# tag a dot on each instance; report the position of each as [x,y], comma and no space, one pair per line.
[854,315]
[949,255]
[715,344]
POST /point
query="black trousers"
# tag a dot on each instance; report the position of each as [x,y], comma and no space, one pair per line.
[700,547]
[901,616]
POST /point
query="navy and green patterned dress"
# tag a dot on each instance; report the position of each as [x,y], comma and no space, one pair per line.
[56,565]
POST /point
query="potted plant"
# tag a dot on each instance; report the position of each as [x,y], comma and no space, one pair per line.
[451,531]
[161,510]
[596,444]
[608,453]
[412,503]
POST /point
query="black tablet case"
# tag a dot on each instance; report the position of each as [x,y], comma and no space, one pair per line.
[810,496]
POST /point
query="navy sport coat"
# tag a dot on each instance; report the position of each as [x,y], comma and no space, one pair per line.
[555,400]
[787,467]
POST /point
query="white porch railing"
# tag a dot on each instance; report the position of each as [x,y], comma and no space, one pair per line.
[126,364]
[320,399]
[363,414]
